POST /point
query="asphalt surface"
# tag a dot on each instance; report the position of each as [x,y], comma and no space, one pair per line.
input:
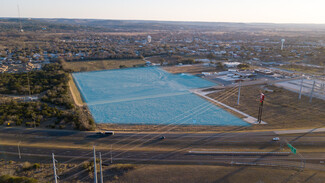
[149,148]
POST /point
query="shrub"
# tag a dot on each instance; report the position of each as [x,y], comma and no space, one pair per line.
[13,179]
[122,167]
[27,166]
[88,166]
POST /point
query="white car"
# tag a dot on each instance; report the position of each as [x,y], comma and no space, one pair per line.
[276,139]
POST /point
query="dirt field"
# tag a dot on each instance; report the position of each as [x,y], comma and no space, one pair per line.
[282,109]
[39,172]
[189,174]
[83,66]
[75,93]
[304,69]
[192,69]
[126,173]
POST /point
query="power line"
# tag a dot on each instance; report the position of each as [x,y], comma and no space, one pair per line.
[207,107]
[202,109]
[232,91]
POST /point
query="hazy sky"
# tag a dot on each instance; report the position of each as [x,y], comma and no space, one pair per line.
[276,11]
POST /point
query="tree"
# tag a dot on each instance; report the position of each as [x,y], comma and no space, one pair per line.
[161,60]
[211,56]
[220,66]
[243,66]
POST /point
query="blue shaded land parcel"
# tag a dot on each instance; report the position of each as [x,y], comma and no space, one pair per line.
[149,95]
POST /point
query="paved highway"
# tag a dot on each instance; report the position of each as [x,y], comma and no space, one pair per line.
[75,146]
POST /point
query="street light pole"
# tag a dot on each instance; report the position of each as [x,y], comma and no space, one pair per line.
[19,150]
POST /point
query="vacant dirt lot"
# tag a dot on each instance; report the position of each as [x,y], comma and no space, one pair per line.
[126,173]
[83,66]
[282,109]
[189,174]
[192,69]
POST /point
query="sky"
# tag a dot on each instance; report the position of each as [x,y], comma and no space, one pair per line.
[264,11]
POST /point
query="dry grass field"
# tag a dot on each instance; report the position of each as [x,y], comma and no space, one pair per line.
[206,174]
[192,69]
[147,173]
[282,109]
[304,69]
[83,66]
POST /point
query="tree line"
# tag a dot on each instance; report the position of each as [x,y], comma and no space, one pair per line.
[55,107]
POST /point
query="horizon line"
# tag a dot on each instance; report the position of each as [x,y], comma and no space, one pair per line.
[189,21]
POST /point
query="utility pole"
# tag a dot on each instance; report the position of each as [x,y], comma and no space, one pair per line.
[239,93]
[312,92]
[111,156]
[302,81]
[101,168]
[54,169]
[260,109]
[19,150]
[95,169]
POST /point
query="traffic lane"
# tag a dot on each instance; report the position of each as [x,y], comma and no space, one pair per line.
[141,157]
[92,135]
[181,139]
[212,140]
[56,133]
[155,142]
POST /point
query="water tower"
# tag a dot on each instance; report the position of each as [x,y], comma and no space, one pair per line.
[282,43]
[149,39]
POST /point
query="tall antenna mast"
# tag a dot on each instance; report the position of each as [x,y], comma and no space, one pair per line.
[20,25]
[22,30]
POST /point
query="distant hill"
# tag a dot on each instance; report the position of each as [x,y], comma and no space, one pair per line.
[144,25]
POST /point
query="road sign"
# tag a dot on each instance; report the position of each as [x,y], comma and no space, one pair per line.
[293,150]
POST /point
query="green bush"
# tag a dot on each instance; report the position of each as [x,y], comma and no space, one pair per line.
[13,179]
